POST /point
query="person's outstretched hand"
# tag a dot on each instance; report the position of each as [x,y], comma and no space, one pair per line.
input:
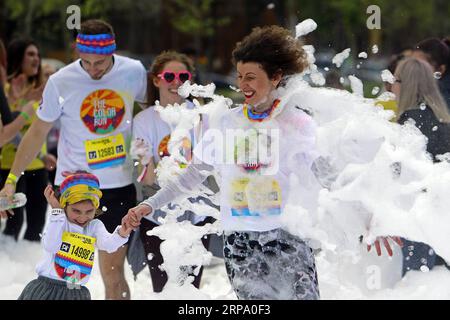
[35,94]
[134,215]
[8,192]
[387,245]
[125,228]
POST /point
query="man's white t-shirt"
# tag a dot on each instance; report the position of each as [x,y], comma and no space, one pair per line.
[96,119]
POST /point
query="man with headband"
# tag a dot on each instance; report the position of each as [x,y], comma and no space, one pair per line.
[93,98]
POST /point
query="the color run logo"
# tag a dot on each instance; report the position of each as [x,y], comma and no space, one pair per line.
[102,111]
[252,150]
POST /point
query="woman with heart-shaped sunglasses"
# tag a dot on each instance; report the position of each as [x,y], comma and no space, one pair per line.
[151,136]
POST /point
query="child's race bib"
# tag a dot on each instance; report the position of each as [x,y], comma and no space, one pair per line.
[75,258]
[105,152]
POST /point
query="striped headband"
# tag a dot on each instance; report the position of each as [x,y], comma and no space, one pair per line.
[104,44]
[79,187]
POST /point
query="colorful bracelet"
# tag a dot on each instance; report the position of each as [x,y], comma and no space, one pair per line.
[21,102]
[11,179]
[25,116]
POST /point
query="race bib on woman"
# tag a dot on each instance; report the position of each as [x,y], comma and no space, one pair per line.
[255,197]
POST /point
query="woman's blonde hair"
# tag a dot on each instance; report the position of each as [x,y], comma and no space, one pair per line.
[418,86]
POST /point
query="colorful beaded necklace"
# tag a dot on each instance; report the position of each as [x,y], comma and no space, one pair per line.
[259,116]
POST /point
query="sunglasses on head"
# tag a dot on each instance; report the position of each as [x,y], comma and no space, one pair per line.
[169,76]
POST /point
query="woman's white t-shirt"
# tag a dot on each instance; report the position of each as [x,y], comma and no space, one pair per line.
[150,127]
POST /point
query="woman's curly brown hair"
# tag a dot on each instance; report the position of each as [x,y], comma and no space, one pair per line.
[274,48]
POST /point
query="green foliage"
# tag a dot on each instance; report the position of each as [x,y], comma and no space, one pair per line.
[195,17]
[44,10]
[403,23]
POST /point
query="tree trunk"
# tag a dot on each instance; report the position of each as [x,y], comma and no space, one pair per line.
[29,17]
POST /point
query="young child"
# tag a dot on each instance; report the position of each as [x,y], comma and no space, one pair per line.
[70,239]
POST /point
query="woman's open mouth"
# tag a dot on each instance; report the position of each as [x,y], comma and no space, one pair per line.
[248,94]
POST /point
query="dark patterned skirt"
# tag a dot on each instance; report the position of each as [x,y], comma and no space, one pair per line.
[44,288]
[270,265]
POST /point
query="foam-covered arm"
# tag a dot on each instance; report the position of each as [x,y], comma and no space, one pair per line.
[192,176]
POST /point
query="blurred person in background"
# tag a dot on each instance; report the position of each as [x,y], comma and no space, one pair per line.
[25,85]
[168,72]
[419,99]
[437,53]
[391,104]
[9,127]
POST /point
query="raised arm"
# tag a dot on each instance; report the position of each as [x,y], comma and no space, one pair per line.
[30,145]
[52,235]
[109,242]
[28,149]
[10,130]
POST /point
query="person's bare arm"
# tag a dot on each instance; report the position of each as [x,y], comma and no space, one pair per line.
[9,131]
[30,145]
[28,149]
[150,175]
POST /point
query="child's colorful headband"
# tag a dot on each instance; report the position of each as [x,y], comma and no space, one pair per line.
[79,187]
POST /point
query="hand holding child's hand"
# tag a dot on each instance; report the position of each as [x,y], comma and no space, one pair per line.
[133,218]
[138,212]
[125,228]
[51,198]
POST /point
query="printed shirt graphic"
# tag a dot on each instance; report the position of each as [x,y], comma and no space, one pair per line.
[185,149]
[96,119]
[102,112]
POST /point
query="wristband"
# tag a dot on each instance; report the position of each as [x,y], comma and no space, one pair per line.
[57,211]
[11,179]
[25,116]
[22,102]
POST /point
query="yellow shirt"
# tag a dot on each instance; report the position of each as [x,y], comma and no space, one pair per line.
[389,105]
[9,150]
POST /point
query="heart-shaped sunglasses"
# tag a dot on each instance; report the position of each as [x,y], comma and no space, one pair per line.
[169,76]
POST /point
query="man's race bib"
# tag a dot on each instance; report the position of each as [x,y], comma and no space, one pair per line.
[256,197]
[75,258]
[105,152]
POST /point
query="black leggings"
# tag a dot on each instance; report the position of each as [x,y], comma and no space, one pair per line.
[152,246]
[33,184]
